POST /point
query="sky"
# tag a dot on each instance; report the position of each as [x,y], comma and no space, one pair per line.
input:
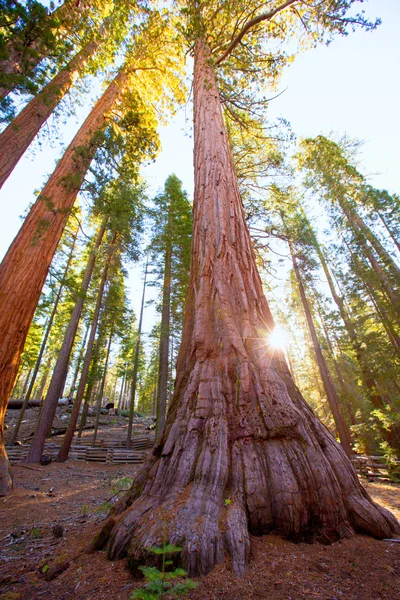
[350,87]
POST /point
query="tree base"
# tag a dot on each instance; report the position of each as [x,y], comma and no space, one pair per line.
[292,486]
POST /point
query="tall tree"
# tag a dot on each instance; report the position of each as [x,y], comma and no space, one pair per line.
[237,428]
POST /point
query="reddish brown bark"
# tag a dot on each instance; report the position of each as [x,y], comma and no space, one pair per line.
[241,451]
[43,345]
[25,266]
[17,137]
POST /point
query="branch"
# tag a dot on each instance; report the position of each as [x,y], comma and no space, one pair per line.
[263,17]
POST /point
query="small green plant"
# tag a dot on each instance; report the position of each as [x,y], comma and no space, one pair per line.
[228,501]
[122,485]
[85,510]
[36,533]
[163,583]
[104,507]
[45,568]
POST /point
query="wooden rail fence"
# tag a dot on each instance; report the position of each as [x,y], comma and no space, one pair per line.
[104,451]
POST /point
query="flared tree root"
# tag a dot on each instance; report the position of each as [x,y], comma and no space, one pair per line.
[225,493]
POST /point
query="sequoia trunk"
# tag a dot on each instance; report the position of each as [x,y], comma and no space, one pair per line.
[43,345]
[25,266]
[241,451]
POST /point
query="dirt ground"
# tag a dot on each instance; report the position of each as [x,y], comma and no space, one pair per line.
[76,496]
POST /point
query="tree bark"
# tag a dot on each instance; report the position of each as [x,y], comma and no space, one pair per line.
[79,363]
[358,225]
[25,266]
[43,345]
[17,137]
[241,451]
[101,391]
[382,277]
[66,445]
[60,370]
[390,232]
[340,377]
[24,55]
[136,362]
[330,391]
[121,392]
[162,387]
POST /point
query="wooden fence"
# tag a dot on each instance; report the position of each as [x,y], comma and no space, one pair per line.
[104,451]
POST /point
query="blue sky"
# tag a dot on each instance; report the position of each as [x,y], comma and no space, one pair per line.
[351,86]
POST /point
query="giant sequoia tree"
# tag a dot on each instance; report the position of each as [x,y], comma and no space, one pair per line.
[237,427]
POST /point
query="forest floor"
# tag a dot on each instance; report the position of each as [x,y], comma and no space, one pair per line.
[75,496]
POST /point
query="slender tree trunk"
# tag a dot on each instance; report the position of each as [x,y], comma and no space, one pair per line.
[69,434]
[42,384]
[17,137]
[390,232]
[79,363]
[359,226]
[330,391]
[25,266]
[60,371]
[136,361]
[237,428]
[368,381]
[101,391]
[339,374]
[121,392]
[27,379]
[85,409]
[15,390]
[44,343]
[162,386]
[385,320]
[102,385]
[382,277]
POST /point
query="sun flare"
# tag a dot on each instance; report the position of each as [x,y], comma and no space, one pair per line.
[277,339]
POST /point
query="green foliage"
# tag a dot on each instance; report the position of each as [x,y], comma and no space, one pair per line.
[35,533]
[122,485]
[85,510]
[163,583]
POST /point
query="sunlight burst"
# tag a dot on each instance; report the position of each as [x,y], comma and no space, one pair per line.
[277,339]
